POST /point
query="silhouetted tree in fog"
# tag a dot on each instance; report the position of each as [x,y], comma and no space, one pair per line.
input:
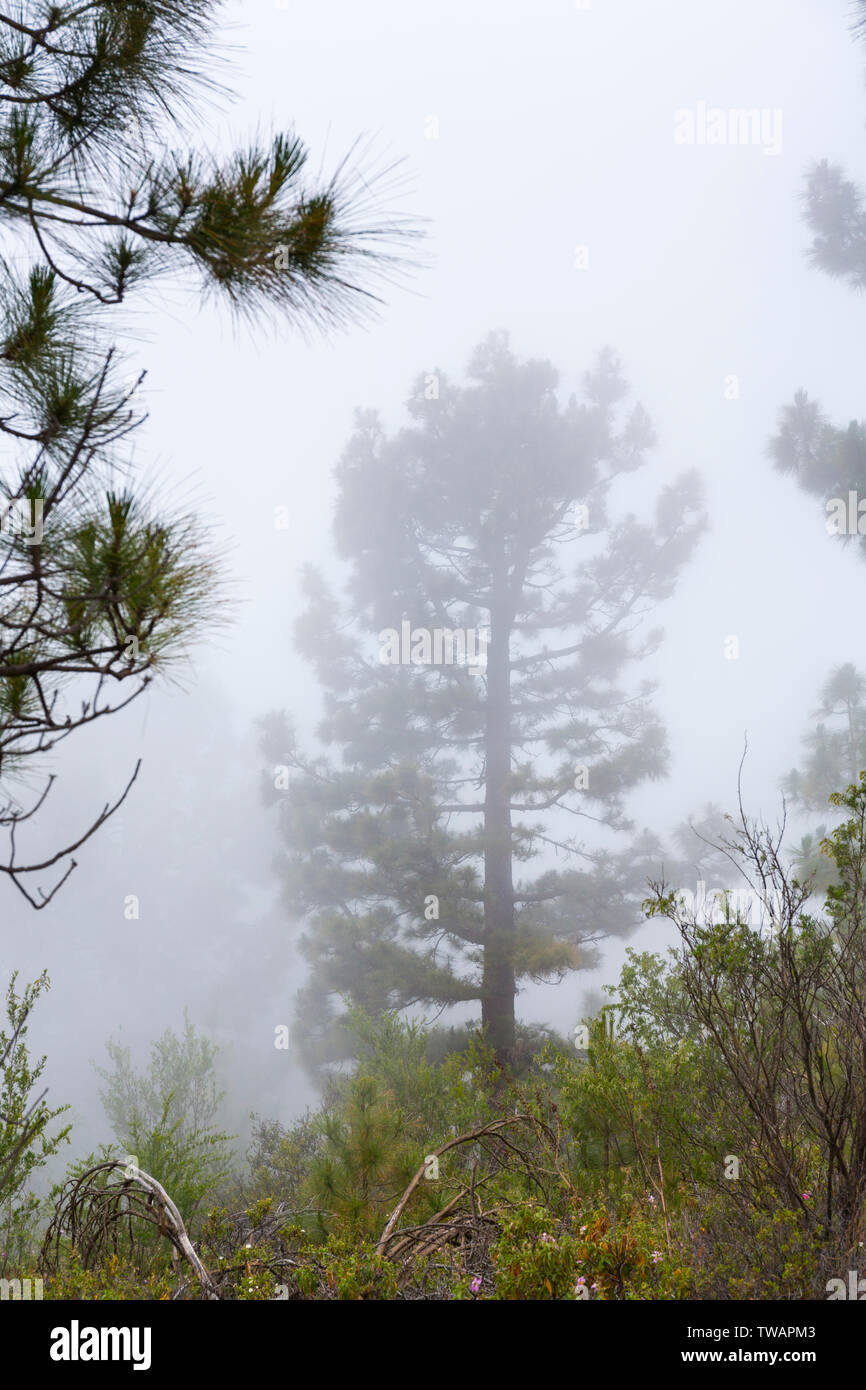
[827,460]
[476,702]
[834,755]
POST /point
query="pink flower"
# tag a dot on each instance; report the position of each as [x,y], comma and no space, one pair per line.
[475,1286]
[657,1254]
[807,1196]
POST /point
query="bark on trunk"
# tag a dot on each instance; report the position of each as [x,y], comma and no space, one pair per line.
[498,989]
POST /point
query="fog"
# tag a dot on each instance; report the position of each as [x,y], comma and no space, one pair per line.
[538,146]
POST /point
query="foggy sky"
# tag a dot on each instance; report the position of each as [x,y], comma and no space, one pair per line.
[555,131]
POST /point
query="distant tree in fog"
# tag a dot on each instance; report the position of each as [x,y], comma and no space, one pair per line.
[826,460]
[834,750]
[834,755]
[478,711]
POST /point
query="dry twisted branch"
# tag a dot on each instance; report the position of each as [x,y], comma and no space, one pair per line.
[95,1207]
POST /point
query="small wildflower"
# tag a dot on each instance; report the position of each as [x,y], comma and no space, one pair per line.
[657,1254]
[475,1286]
[807,1196]
[546,1239]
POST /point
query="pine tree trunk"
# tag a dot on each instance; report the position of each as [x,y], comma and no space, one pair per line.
[498,989]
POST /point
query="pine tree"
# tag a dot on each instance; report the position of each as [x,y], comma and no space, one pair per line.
[100,585]
[834,755]
[835,749]
[827,460]
[834,208]
[481,539]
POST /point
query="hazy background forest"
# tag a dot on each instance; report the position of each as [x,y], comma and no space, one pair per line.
[536,148]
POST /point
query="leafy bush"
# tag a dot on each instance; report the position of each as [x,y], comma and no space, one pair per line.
[164,1116]
[25,1144]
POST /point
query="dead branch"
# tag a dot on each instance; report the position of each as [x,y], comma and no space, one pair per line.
[491,1130]
[94,1207]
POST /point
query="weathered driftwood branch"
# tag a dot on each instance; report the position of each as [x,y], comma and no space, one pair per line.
[177,1232]
[95,1206]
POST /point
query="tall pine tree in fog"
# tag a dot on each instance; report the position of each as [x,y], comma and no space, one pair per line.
[482,729]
